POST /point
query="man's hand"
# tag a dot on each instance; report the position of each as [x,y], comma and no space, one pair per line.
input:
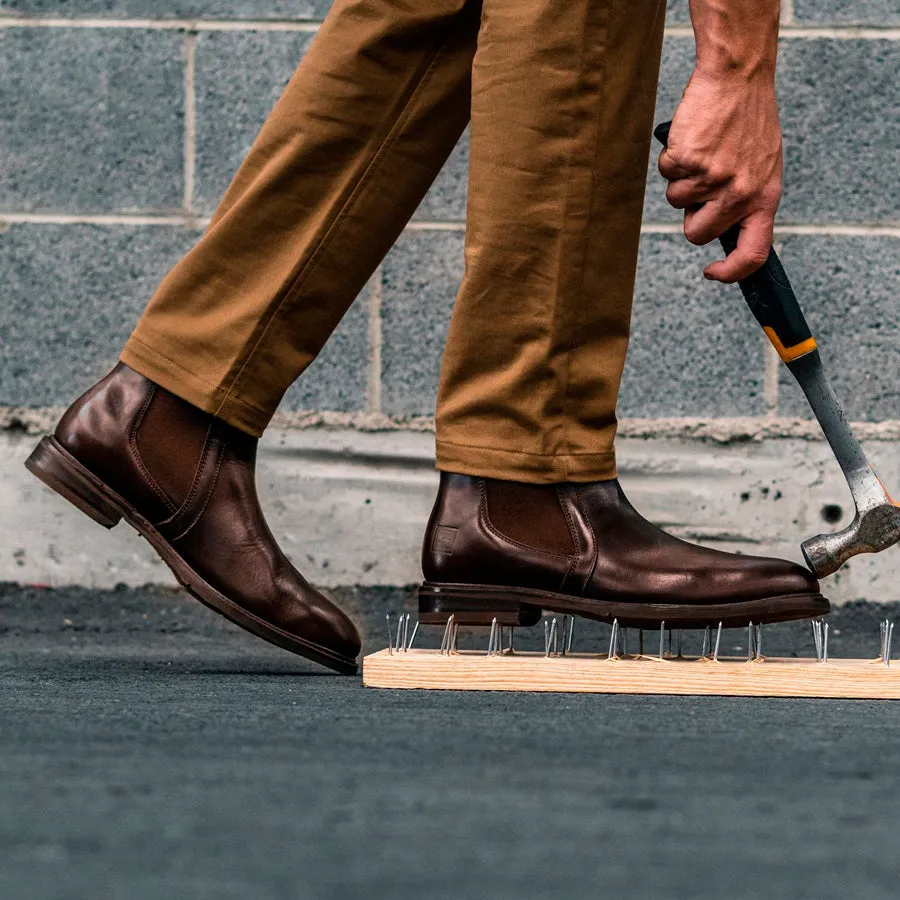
[724,159]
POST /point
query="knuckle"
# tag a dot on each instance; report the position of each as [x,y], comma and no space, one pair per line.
[695,235]
[715,175]
[683,160]
[756,258]
[676,197]
[742,191]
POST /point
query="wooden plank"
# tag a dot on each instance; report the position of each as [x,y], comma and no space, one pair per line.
[582,673]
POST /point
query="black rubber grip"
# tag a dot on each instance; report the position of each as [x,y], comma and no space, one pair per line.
[768,293]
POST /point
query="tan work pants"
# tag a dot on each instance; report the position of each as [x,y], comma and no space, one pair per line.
[561,96]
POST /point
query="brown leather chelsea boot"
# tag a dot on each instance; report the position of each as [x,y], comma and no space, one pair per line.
[127,449]
[507,550]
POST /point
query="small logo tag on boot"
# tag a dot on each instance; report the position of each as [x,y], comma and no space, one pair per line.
[444,538]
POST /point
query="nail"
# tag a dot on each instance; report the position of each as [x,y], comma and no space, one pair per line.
[718,641]
[402,641]
[662,638]
[447,642]
[413,638]
[492,640]
[387,618]
[614,640]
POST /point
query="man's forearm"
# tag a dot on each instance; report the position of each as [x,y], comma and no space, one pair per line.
[736,37]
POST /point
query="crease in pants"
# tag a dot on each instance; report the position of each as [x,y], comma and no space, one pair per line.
[561,99]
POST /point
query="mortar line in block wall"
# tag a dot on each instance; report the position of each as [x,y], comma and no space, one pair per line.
[815,33]
[373,375]
[189,221]
[833,230]
[190,120]
[162,24]
[787,12]
[180,220]
[789,32]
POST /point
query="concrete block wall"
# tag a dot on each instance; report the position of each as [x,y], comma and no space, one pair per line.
[123,121]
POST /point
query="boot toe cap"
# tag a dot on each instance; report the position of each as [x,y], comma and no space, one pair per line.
[772,577]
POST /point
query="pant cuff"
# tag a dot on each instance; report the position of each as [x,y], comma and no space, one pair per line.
[175,378]
[513,465]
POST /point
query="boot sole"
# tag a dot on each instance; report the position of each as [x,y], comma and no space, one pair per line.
[62,473]
[480,604]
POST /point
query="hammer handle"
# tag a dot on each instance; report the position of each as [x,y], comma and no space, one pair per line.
[772,301]
[768,293]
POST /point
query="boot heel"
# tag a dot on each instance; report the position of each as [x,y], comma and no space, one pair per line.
[474,605]
[61,473]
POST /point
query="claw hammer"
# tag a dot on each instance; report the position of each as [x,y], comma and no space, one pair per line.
[876,525]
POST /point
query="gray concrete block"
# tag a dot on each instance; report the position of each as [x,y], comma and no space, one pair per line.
[677,12]
[837,100]
[71,295]
[171,9]
[841,130]
[337,378]
[848,288]
[695,350]
[239,77]
[847,12]
[421,276]
[93,120]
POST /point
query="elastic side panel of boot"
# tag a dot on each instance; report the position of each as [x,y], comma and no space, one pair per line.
[529,514]
[170,441]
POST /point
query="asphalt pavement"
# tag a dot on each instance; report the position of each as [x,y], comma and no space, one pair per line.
[149,749]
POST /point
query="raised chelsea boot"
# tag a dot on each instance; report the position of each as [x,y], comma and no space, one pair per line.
[127,449]
[507,550]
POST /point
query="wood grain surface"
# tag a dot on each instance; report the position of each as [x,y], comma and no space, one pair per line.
[582,673]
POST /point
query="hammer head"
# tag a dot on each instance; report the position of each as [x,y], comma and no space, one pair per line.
[874,529]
